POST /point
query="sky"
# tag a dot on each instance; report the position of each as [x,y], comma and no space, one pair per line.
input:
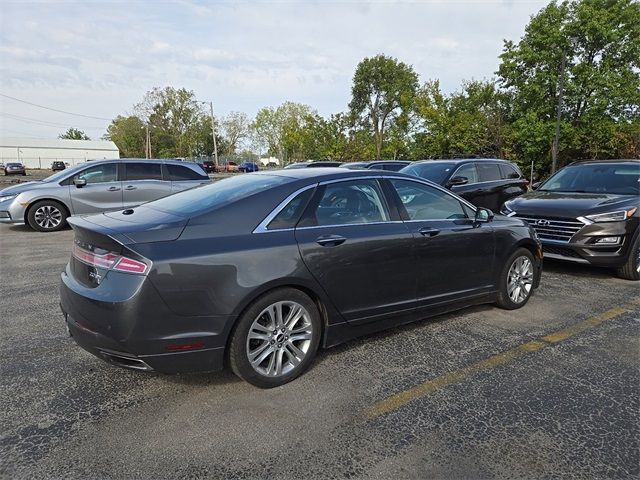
[98,58]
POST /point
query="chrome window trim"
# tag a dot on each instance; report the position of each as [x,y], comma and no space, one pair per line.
[262,226]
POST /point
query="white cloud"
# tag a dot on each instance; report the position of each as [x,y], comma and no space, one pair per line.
[100,58]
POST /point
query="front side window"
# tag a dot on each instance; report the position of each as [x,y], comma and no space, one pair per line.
[143,171]
[468,171]
[107,172]
[352,202]
[423,202]
[488,172]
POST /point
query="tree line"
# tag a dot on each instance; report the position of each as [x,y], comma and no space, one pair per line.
[574,75]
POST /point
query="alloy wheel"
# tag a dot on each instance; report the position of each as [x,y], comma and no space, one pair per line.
[48,217]
[520,279]
[279,339]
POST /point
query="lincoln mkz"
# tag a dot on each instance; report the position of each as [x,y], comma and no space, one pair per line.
[258,271]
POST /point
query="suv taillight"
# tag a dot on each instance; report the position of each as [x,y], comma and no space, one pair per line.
[110,261]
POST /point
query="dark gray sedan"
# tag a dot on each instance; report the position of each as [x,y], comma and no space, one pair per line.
[14,169]
[263,269]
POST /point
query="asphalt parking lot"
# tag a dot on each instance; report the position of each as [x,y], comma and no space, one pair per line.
[551,390]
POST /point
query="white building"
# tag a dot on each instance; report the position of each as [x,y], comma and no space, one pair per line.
[39,153]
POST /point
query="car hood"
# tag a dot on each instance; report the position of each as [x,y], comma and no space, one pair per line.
[560,204]
[23,187]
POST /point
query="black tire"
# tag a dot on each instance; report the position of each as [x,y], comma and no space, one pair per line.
[504,300]
[631,269]
[238,345]
[52,207]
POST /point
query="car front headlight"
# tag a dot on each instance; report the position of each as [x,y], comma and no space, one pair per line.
[4,198]
[618,216]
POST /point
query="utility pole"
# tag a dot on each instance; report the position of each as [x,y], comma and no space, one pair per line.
[556,139]
[213,133]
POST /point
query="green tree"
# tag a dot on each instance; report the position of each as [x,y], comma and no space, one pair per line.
[600,43]
[282,131]
[383,88]
[128,133]
[469,122]
[74,134]
[235,127]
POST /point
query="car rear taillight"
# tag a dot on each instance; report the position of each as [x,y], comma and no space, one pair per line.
[110,261]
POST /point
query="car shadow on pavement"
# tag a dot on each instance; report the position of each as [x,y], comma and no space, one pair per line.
[203,379]
[576,269]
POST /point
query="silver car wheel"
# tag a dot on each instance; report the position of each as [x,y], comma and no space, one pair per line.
[520,279]
[279,339]
[638,259]
[48,217]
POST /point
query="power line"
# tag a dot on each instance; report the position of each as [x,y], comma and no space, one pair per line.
[53,109]
[45,123]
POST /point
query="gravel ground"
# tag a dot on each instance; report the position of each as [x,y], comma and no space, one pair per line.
[565,409]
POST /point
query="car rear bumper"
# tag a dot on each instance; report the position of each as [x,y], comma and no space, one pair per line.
[107,349]
[140,332]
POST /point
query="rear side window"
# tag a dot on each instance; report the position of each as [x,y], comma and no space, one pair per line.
[488,172]
[142,171]
[178,173]
[289,215]
[509,171]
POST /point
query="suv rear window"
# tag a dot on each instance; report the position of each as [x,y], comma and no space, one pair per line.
[218,194]
[509,171]
[180,173]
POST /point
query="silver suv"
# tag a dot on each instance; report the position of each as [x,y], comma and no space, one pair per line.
[93,187]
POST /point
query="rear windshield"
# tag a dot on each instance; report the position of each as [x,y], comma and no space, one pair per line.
[218,194]
[437,172]
[617,179]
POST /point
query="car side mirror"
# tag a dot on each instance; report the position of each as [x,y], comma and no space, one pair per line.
[535,185]
[458,180]
[483,215]
[79,182]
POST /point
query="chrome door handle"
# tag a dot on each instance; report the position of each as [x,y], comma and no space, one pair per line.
[429,232]
[130,187]
[330,240]
[113,189]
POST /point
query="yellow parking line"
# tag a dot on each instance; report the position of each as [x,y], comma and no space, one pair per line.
[401,399]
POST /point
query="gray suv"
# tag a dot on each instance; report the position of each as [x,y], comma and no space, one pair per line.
[93,187]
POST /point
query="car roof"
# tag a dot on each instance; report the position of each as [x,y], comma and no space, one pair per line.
[461,160]
[329,173]
[125,160]
[610,160]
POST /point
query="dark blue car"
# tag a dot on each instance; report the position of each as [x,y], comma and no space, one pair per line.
[248,167]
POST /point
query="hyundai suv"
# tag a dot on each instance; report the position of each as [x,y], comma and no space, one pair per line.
[588,212]
[94,187]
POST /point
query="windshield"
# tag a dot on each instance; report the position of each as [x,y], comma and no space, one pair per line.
[614,178]
[62,174]
[435,171]
[218,194]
